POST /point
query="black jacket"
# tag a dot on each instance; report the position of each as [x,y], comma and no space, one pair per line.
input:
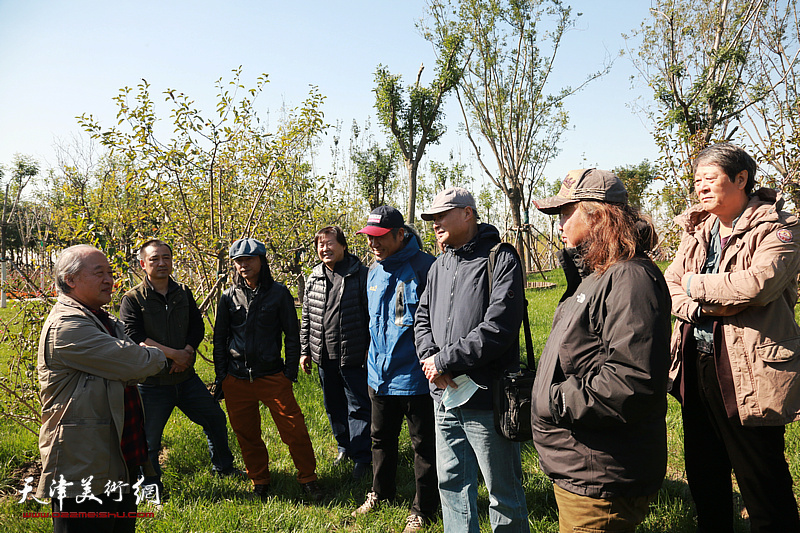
[353,319]
[173,321]
[248,332]
[599,399]
[467,329]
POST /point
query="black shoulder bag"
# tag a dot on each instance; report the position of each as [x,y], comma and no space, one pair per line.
[512,390]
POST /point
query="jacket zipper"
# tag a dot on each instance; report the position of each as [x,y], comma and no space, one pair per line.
[452,293]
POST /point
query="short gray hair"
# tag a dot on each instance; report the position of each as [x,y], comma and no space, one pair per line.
[69,263]
[731,159]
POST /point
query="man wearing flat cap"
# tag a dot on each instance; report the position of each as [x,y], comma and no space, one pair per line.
[467,332]
[397,387]
[252,316]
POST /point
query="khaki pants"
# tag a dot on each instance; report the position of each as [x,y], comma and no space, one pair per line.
[581,514]
[275,391]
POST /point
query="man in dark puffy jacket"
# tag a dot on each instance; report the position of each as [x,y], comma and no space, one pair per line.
[467,332]
[161,312]
[252,318]
[334,334]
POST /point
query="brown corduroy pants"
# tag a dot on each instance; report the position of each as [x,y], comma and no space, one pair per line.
[242,398]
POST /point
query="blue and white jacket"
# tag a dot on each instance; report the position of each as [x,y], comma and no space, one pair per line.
[394,286]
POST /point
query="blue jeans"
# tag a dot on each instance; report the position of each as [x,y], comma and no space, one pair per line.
[191,397]
[344,391]
[465,441]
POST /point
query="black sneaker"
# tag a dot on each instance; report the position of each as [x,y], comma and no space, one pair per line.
[361,469]
[414,523]
[313,490]
[262,491]
[230,472]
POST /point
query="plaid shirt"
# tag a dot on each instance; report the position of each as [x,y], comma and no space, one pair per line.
[133,444]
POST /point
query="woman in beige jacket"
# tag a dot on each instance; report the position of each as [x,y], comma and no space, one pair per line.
[736,345]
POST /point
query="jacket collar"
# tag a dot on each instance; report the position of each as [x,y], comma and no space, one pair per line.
[486,234]
[764,206]
[171,285]
[404,254]
[351,261]
[68,301]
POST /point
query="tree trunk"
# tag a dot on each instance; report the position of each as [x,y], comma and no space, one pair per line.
[515,203]
[412,190]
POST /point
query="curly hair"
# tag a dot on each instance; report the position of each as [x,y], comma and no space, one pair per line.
[616,233]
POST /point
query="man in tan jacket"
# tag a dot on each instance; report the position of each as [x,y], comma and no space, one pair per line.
[736,345]
[92,437]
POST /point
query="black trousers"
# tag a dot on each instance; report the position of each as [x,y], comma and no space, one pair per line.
[387,420]
[714,444]
[123,522]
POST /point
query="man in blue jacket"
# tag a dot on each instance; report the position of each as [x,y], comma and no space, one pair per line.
[397,386]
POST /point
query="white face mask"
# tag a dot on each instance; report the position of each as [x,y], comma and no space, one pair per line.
[453,397]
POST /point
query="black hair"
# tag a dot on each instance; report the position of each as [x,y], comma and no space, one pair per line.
[152,242]
[331,230]
[265,278]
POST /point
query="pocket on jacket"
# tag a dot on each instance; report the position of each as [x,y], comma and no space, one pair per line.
[83,446]
[238,316]
[779,351]
[405,305]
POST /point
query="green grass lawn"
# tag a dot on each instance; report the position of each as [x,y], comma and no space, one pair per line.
[202,503]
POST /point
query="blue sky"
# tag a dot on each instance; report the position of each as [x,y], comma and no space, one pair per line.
[60,59]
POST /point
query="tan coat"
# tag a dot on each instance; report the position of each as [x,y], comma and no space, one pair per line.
[82,375]
[756,289]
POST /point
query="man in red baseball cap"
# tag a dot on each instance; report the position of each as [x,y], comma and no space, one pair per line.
[397,386]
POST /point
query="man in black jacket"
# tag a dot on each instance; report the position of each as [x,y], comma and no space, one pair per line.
[162,313]
[334,333]
[467,332]
[252,317]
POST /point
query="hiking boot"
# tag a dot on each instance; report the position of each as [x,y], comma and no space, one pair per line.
[414,523]
[313,490]
[262,491]
[369,505]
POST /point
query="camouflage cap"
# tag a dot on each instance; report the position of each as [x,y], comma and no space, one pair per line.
[585,184]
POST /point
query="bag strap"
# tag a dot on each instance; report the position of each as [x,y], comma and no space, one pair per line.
[531,363]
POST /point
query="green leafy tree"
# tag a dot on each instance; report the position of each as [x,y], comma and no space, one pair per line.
[771,124]
[505,95]
[416,121]
[214,179]
[694,54]
[23,169]
[637,178]
[375,173]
